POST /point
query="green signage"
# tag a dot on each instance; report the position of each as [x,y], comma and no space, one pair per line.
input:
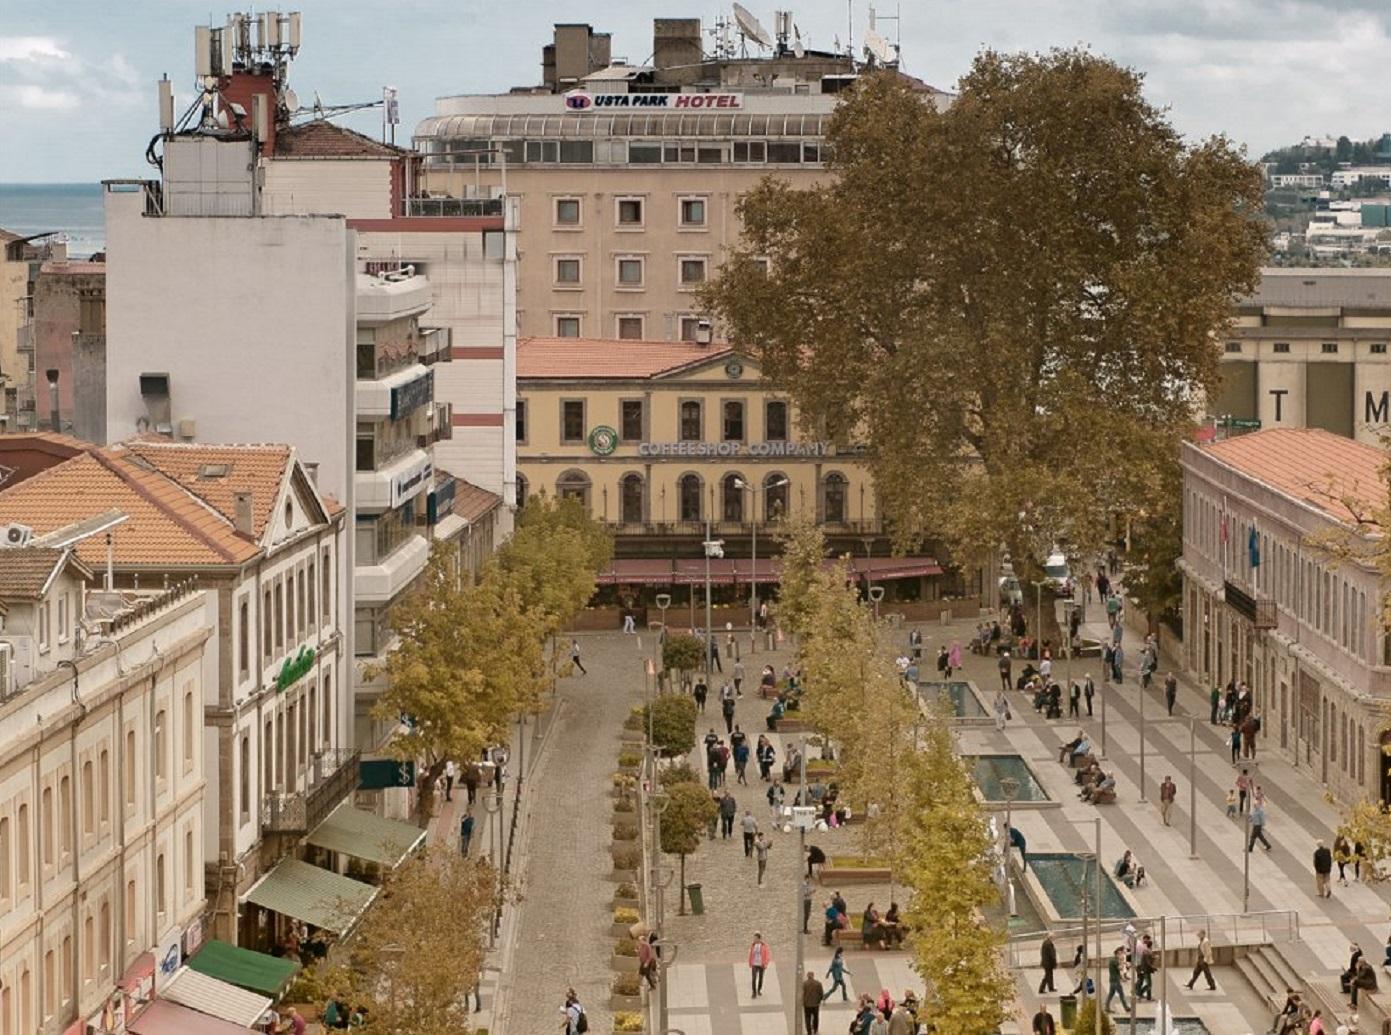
[1243,423]
[381,773]
[295,668]
[603,440]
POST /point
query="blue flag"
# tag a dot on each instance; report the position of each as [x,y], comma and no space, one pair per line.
[1253,547]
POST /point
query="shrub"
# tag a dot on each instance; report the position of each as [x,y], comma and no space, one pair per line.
[634,722]
[625,947]
[626,1021]
[629,759]
[624,781]
[1086,1020]
[623,805]
[627,858]
[626,890]
[627,984]
[625,833]
[682,653]
[673,724]
[624,915]
[681,773]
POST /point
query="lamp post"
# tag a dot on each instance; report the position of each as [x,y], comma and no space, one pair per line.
[801,820]
[1010,786]
[1105,685]
[1246,847]
[876,594]
[739,483]
[663,602]
[1143,799]
[713,548]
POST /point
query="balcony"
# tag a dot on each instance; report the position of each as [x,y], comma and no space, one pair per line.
[1262,614]
[391,296]
[388,487]
[441,420]
[735,528]
[453,207]
[332,777]
[395,395]
[381,583]
[436,345]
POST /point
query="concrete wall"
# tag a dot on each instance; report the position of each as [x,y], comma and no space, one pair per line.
[58,295]
[352,188]
[89,388]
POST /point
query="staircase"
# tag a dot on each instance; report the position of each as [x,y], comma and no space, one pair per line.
[1269,974]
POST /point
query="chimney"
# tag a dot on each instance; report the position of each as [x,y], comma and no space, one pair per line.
[54,416]
[243,520]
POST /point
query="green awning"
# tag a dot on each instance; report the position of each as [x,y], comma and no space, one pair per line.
[316,896]
[366,836]
[254,971]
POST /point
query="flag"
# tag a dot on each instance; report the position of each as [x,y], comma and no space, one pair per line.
[1253,547]
[1224,527]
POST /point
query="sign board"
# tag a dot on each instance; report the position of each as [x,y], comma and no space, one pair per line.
[411,482]
[1243,423]
[379,774]
[412,395]
[440,502]
[295,668]
[723,449]
[584,102]
[168,957]
[193,937]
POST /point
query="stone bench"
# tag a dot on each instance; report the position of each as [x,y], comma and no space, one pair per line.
[854,874]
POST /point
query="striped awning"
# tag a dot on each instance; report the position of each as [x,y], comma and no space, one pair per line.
[364,835]
[317,896]
[215,998]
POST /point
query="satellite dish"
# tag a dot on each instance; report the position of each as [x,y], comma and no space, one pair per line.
[879,48]
[291,100]
[797,48]
[750,27]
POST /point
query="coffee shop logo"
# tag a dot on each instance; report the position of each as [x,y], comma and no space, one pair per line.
[603,440]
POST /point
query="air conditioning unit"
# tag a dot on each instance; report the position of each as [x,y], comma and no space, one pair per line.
[16,535]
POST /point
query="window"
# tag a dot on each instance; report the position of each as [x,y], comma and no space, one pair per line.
[325,594]
[567,212]
[689,328]
[1233,346]
[301,598]
[523,487]
[1379,348]
[65,816]
[244,638]
[63,618]
[630,499]
[761,265]
[520,427]
[572,420]
[311,717]
[630,212]
[328,710]
[787,152]
[835,487]
[775,421]
[161,889]
[567,271]
[104,788]
[567,326]
[732,421]
[689,489]
[268,757]
[89,948]
[4,857]
[1282,346]
[190,728]
[312,584]
[630,328]
[691,270]
[267,630]
[89,799]
[279,617]
[104,933]
[775,497]
[50,985]
[43,625]
[188,864]
[573,485]
[692,212]
[692,425]
[244,778]
[1330,348]
[732,491]
[630,271]
[132,934]
[130,767]
[161,763]
[630,423]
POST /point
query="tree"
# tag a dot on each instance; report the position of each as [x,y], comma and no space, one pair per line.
[689,812]
[420,948]
[983,294]
[1087,1023]
[1366,824]
[803,561]
[1153,576]
[673,719]
[682,653]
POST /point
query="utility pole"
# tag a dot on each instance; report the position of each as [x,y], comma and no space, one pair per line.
[1192,787]
[1143,799]
[1100,907]
[1246,847]
[1161,1025]
[1105,685]
[801,854]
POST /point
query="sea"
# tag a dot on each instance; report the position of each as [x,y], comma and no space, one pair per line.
[74,210]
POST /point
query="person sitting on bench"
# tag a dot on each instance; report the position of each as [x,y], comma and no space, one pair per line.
[1106,789]
[872,931]
[777,713]
[1079,746]
[1129,871]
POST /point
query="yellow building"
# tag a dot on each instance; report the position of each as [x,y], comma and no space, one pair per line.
[659,438]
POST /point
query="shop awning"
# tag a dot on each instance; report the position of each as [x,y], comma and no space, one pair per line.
[366,836]
[691,571]
[897,567]
[253,971]
[637,571]
[316,896]
[163,1017]
[215,998]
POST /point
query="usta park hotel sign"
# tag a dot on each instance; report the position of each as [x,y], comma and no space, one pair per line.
[583,101]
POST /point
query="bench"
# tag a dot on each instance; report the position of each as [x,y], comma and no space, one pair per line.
[847,938]
[1104,797]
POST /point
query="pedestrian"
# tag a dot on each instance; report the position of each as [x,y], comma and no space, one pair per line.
[1342,855]
[629,622]
[808,889]
[738,679]
[1231,803]
[811,1003]
[575,1020]
[776,796]
[471,783]
[943,662]
[1323,867]
[1043,1022]
[1115,975]
[1079,969]
[1001,710]
[1074,701]
[760,959]
[815,857]
[1215,700]
[741,759]
[1235,741]
[1167,791]
[749,825]
[728,808]
[575,656]
[1257,821]
[699,692]
[451,772]
[647,960]
[902,1021]
[954,657]
[1048,960]
[1243,789]
[1088,691]
[1005,669]
[1203,964]
[836,972]
[465,833]
[765,754]
[1144,969]
[761,845]
[1170,692]
[715,664]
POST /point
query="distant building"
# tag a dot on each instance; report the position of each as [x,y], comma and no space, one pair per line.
[20,261]
[1353,176]
[70,347]
[1313,180]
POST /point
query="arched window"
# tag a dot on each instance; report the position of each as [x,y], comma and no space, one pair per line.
[630,499]
[573,485]
[775,497]
[732,490]
[689,490]
[521,491]
[834,492]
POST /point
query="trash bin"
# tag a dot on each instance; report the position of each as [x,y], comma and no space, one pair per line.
[1067,1005]
[697,899]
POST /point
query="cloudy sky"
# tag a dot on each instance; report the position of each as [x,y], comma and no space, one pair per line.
[77,94]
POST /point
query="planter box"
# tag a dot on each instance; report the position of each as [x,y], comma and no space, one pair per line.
[794,726]
[620,930]
[623,964]
[624,903]
[625,1003]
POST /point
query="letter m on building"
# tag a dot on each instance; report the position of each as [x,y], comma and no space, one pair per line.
[1378,412]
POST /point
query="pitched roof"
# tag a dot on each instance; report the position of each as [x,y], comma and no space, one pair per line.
[323,139]
[24,454]
[595,358]
[166,527]
[1336,475]
[26,571]
[216,473]
[1321,288]
[471,501]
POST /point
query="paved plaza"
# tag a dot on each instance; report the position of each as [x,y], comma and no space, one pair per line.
[558,934]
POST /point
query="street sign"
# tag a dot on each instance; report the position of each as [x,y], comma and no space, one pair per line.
[380,773]
[1241,423]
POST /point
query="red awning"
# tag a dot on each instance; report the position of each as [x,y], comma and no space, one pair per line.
[724,571]
[897,567]
[163,1017]
[691,571]
[637,571]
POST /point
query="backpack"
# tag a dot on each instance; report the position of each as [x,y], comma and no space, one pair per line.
[582,1022]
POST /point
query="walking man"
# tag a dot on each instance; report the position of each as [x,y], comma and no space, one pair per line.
[727,707]
[1088,691]
[1115,967]
[761,845]
[808,889]
[760,959]
[1258,829]
[738,679]
[1203,965]
[1170,692]
[811,1003]
[575,656]
[1074,701]
[750,827]
[1323,866]
[451,772]
[1043,1022]
[728,807]
[465,833]
[1048,960]
[1167,791]
[1005,668]
[715,664]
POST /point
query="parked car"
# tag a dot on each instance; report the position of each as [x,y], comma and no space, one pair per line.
[1056,572]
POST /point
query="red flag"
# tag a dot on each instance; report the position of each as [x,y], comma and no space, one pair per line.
[1224,528]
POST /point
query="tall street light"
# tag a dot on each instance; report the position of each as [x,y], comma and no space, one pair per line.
[713,548]
[740,484]
[663,602]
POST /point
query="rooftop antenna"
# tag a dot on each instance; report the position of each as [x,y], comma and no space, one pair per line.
[782,28]
[850,29]
[750,29]
[889,56]
[797,48]
[879,52]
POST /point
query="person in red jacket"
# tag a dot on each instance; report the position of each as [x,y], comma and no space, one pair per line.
[760,959]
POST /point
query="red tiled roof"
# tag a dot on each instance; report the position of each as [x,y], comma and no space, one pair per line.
[471,502]
[63,267]
[586,358]
[24,454]
[257,469]
[1335,474]
[322,139]
[25,571]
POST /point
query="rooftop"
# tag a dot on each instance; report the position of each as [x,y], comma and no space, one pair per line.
[323,139]
[73,267]
[1321,288]
[26,571]
[598,359]
[216,473]
[471,502]
[1345,479]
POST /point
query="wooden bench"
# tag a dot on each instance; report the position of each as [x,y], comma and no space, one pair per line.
[847,938]
[854,874]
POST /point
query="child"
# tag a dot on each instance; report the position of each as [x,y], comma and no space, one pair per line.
[1231,803]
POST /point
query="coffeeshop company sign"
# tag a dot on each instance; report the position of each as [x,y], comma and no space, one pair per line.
[603,440]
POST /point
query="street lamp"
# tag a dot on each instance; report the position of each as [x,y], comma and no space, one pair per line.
[876,594]
[663,602]
[713,548]
[740,484]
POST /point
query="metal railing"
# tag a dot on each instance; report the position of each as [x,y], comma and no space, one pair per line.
[439,207]
[735,528]
[332,774]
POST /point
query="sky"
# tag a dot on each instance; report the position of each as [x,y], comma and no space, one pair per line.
[78,95]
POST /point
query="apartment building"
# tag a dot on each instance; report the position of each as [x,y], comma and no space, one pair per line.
[627,176]
[70,348]
[1267,603]
[20,260]
[102,786]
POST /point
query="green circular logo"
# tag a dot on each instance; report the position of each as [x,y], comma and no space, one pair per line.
[603,440]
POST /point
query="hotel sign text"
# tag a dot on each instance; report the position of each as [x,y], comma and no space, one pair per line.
[583,101]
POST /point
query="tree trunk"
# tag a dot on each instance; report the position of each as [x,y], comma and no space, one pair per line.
[681,889]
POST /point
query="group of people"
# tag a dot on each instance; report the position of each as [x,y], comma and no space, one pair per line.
[1235,708]
[874,1015]
[719,754]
